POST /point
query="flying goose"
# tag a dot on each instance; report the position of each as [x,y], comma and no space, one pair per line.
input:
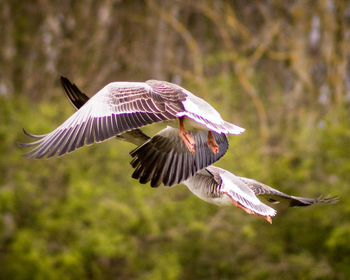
[211,184]
[120,107]
[219,186]
[173,164]
[165,158]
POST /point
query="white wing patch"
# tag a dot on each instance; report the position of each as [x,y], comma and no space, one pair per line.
[203,113]
[241,193]
[198,106]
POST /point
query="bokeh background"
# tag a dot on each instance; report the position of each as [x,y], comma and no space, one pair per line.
[281,69]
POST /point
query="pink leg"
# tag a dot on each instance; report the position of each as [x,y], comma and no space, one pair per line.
[187,137]
[267,218]
[212,143]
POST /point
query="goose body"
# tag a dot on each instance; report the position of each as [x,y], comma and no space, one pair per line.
[120,107]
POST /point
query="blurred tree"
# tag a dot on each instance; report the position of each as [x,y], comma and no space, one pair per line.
[278,68]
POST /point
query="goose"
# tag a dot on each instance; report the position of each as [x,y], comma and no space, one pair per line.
[221,187]
[165,158]
[121,107]
[211,184]
[177,162]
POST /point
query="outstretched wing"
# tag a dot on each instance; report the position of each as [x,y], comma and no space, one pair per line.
[165,159]
[78,99]
[239,192]
[117,108]
[274,196]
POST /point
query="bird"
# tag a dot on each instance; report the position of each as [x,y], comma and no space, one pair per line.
[175,161]
[213,184]
[121,107]
[221,187]
[165,158]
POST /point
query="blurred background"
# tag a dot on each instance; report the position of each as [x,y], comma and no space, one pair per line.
[280,69]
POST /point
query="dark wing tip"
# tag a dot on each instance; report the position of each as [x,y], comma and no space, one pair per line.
[301,201]
[74,94]
[30,144]
[63,79]
[35,136]
[331,200]
[148,161]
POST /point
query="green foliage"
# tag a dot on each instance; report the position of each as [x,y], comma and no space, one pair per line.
[82,216]
[277,68]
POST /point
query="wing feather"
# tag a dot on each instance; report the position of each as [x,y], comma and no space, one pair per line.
[118,108]
[275,196]
[75,96]
[238,191]
[177,162]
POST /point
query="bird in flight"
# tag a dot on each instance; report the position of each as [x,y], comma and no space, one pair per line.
[213,184]
[221,187]
[122,107]
[170,164]
[166,158]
